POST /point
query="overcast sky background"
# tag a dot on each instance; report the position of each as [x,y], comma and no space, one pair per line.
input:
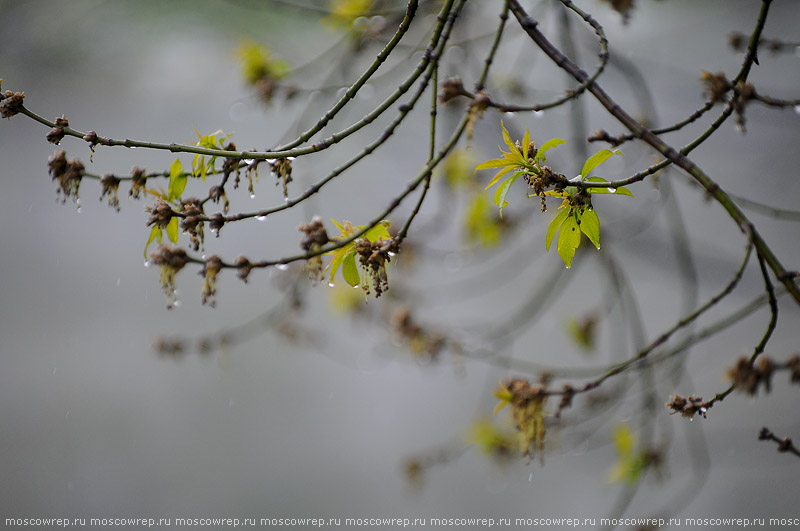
[95,424]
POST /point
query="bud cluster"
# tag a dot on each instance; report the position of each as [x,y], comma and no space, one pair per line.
[68,174]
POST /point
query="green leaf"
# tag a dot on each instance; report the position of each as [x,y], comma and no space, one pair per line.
[569,238]
[492,163]
[555,193]
[597,159]
[172,230]
[179,185]
[624,191]
[630,463]
[350,270]
[502,191]
[554,225]
[590,226]
[379,232]
[155,234]
[334,265]
[175,169]
[177,180]
[199,165]
[458,167]
[553,142]
[339,226]
[507,138]
[481,224]
[624,441]
[498,176]
[526,141]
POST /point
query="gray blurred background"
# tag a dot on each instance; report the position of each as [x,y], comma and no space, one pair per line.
[96,424]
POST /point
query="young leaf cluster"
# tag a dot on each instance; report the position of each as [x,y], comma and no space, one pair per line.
[344,257]
[176,186]
[199,166]
[630,462]
[576,214]
[258,63]
[522,160]
[343,13]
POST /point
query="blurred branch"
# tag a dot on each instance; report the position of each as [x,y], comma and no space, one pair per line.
[784,445]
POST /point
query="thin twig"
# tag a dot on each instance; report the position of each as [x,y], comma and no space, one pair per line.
[784,445]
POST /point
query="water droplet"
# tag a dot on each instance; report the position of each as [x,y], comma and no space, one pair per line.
[177,303]
[538,114]
[252,195]
[286,199]
[290,159]
[282,267]
[216,232]
[797,109]
[79,210]
[390,253]
[248,161]
[377,23]
[330,284]
[530,477]
[238,112]
[132,147]
[270,161]
[147,263]
[261,218]
[456,55]
[453,262]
